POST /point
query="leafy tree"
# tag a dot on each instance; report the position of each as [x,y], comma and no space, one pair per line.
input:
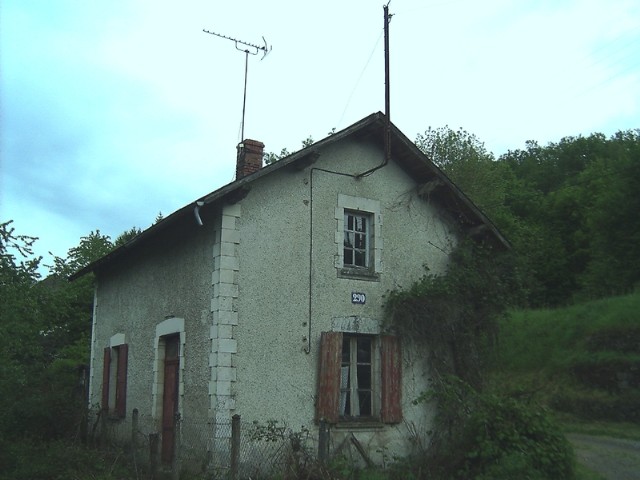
[271,157]
[46,326]
[126,236]
[575,202]
[466,161]
[612,220]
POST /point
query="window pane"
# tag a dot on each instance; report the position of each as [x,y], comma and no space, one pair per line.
[344,389]
[361,241]
[360,259]
[345,350]
[360,224]
[348,257]
[348,239]
[364,350]
[349,222]
[365,403]
[364,377]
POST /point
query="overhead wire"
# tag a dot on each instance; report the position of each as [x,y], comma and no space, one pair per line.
[355,87]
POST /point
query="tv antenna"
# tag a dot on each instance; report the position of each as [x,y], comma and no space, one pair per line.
[249,49]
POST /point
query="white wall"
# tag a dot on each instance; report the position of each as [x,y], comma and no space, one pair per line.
[276,377]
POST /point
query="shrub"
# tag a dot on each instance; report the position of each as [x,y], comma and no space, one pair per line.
[486,436]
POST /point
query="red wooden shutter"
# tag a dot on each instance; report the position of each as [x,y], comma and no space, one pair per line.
[121,381]
[391,358]
[106,365]
[328,401]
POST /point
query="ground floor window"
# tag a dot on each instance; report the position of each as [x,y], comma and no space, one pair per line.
[359,378]
[114,380]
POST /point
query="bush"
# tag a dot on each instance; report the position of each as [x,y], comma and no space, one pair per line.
[486,436]
[25,459]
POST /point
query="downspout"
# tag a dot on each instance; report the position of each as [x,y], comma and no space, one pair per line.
[196,212]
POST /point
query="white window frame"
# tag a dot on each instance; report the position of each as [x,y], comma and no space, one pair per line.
[369,209]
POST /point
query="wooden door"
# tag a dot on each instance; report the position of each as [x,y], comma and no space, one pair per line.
[170,395]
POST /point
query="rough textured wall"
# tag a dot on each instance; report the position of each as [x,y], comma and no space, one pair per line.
[276,377]
[168,278]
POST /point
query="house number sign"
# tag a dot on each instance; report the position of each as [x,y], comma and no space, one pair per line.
[358,297]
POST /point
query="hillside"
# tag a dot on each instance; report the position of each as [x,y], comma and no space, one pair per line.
[583,360]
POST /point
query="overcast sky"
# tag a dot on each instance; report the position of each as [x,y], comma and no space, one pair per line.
[115,111]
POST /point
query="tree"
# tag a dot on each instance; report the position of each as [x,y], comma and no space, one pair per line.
[45,326]
[126,236]
[271,157]
[465,160]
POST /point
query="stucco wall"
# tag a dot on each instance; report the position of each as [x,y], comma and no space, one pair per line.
[257,285]
[276,377]
[169,279]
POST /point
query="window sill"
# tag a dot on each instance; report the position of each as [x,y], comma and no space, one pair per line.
[359,274]
[372,424]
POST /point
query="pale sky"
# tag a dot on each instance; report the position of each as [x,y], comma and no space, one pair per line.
[115,111]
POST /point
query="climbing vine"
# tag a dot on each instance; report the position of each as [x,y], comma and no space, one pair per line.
[455,315]
[476,433]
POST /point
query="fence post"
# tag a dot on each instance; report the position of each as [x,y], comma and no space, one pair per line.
[175,462]
[134,429]
[154,442]
[235,446]
[103,428]
[134,435]
[323,442]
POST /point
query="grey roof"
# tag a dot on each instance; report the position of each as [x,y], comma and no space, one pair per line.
[371,128]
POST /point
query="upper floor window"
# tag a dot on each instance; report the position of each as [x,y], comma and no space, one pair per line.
[357,239]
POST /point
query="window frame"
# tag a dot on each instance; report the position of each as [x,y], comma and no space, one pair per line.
[355,232]
[114,374]
[370,210]
[386,382]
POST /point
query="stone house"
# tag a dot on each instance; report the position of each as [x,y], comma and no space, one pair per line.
[265,297]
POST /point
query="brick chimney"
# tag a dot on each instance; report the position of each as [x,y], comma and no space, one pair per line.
[249,158]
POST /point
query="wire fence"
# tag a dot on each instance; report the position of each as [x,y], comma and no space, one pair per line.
[206,448]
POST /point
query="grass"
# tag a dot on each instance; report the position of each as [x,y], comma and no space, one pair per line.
[542,353]
[548,341]
[572,424]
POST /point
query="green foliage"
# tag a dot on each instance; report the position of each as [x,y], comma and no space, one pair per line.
[486,436]
[464,159]
[271,157]
[127,236]
[24,459]
[476,435]
[45,326]
[585,359]
[456,314]
[565,335]
[574,223]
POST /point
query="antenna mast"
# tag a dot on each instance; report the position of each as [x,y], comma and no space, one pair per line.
[249,49]
[387,100]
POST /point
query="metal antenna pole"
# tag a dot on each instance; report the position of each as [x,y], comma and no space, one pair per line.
[387,89]
[265,49]
[244,98]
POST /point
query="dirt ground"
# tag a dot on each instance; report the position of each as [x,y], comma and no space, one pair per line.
[614,459]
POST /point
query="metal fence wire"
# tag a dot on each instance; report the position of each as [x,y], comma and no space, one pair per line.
[206,448]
